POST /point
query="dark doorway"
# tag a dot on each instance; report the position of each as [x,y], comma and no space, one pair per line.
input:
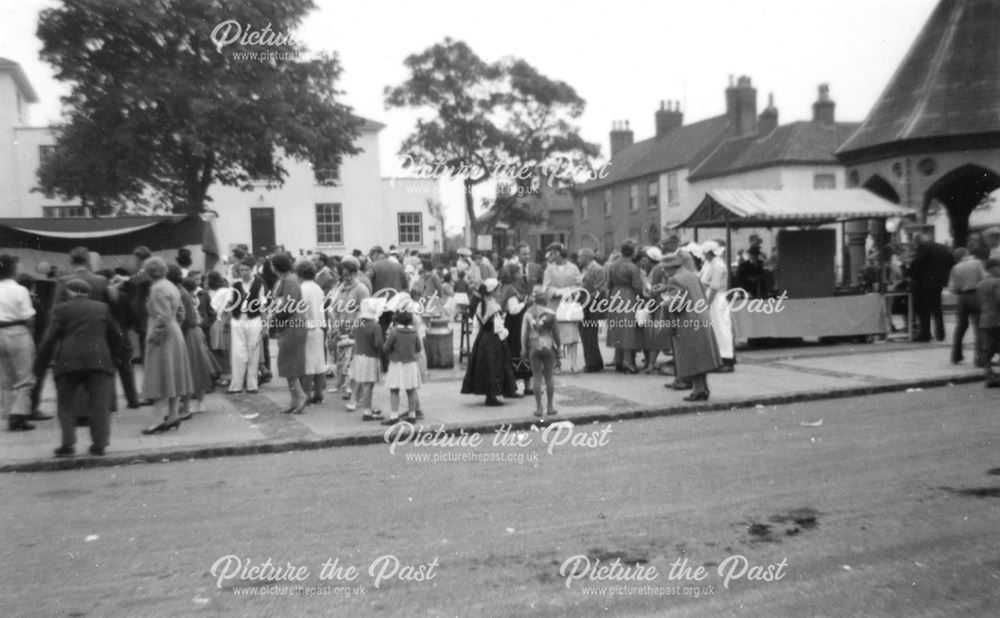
[961,190]
[262,231]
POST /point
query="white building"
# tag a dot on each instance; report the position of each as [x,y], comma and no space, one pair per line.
[333,211]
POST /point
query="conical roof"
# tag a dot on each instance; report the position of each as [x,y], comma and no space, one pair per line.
[947,88]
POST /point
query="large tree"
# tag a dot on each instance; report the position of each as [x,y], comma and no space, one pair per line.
[488,120]
[170,96]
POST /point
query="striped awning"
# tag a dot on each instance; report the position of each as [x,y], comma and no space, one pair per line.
[770,208]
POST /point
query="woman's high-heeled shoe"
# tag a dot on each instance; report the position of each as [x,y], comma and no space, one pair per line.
[161,427]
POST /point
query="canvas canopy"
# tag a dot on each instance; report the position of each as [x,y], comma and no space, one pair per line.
[114,238]
[778,208]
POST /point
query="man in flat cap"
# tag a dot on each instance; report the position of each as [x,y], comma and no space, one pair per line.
[80,259]
[82,341]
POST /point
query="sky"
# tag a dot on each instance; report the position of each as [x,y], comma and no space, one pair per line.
[622,57]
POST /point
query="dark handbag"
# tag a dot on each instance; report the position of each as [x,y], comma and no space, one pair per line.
[521,365]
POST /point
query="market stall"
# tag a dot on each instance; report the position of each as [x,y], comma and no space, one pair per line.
[805,265]
[114,238]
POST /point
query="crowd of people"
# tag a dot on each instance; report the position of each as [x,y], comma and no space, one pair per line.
[971,274]
[361,320]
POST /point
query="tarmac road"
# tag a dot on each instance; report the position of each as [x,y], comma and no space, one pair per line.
[887,507]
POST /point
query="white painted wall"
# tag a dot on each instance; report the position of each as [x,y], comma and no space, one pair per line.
[410,195]
[359,192]
[19,157]
[27,160]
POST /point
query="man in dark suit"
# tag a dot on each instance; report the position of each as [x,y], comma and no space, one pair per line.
[929,272]
[325,278]
[102,291]
[531,272]
[385,273]
[136,292]
[82,341]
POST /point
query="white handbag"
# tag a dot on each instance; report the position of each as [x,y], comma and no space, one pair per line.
[568,311]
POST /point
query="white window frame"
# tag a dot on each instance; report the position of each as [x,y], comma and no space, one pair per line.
[336,223]
[410,224]
[673,190]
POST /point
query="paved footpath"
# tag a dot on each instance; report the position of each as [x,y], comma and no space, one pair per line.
[247,424]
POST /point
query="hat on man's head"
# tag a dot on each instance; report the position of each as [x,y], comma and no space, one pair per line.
[79,286]
[491,284]
[79,255]
[654,254]
[464,252]
[992,231]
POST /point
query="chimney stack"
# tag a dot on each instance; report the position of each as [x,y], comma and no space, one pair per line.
[621,136]
[741,106]
[768,120]
[824,107]
[668,117]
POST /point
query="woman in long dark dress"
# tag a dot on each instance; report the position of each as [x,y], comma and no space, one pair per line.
[513,306]
[490,372]
[696,352]
[624,289]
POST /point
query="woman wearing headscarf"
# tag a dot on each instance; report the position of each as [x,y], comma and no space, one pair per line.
[289,323]
[489,372]
[624,290]
[167,376]
[715,279]
[695,350]
[561,278]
